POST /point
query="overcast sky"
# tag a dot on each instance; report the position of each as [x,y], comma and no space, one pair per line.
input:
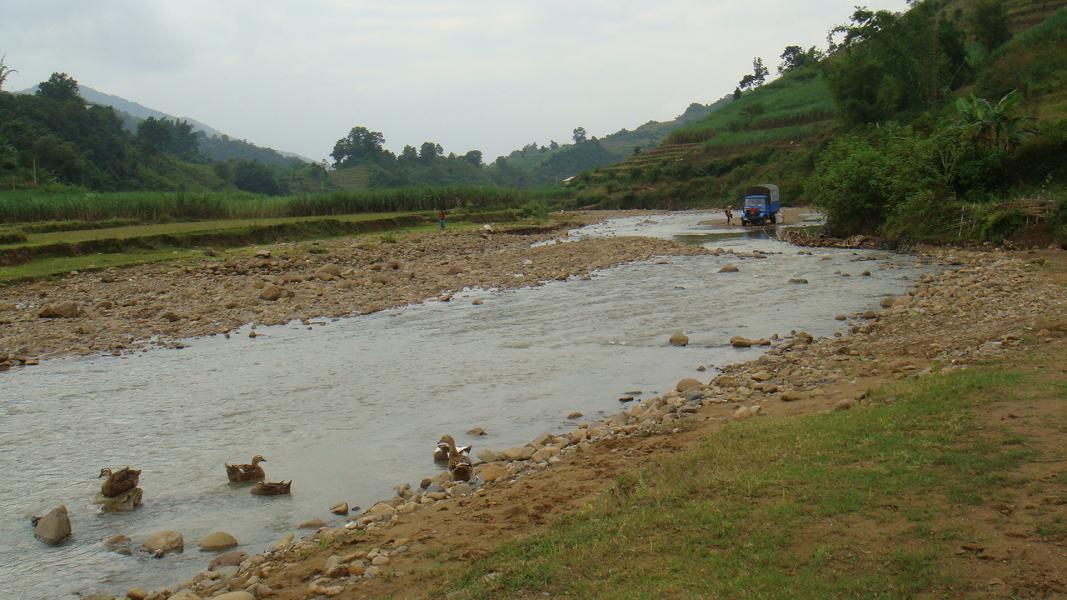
[470,74]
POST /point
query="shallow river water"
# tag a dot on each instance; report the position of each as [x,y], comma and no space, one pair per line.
[355,406]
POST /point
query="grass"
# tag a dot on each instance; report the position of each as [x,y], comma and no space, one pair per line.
[840,504]
[776,109]
[58,265]
[154,229]
[26,206]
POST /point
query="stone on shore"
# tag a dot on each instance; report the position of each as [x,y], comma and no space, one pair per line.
[845,404]
[136,594]
[285,541]
[61,310]
[227,559]
[679,339]
[312,524]
[216,541]
[184,595]
[235,596]
[271,293]
[340,508]
[54,527]
[487,455]
[162,542]
[493,472]
[688,384]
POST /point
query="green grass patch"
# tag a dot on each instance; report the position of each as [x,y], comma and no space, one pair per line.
[23,206]
[58,265]
[796,99]
[776,508]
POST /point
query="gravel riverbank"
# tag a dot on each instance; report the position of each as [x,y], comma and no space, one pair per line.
[981,305]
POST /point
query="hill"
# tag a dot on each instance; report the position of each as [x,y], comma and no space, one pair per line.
[214,144]
[888,131]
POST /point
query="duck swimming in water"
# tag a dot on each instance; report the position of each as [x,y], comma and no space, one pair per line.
[246,473]
[279,488]
[118,482]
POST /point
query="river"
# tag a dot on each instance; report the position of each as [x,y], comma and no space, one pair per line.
[354,406]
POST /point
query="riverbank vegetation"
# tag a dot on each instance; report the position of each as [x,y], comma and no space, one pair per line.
[946,123]
[861,503]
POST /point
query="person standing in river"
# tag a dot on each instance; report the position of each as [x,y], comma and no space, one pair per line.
[441,218]
[729,214]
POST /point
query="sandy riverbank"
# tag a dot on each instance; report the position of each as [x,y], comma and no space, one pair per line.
[982,306]
[131,309]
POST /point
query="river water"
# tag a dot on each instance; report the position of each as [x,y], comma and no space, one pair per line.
[353,407]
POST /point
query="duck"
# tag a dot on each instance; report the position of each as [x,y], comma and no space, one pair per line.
[118,482]
[246,473]
[459,460]
[268,488]
[444,446]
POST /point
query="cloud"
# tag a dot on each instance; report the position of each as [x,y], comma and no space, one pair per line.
[483,74]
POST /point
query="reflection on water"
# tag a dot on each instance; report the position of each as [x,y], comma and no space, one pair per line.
[350,409]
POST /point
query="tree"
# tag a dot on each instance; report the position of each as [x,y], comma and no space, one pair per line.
[795,57]
[989,23]
[409,154]
[359,145]
[60,87]
[553,144]
[5,71]
[429,151]
[474,157]
[579,135]
[756,78]
[737,93]
[992,125]
[155,136]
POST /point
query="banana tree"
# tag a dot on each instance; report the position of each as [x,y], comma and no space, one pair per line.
[4,71]
[992,124]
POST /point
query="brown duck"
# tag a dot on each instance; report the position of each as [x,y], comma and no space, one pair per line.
[266,488]
[246,473]
[444,446]
[118,482]
[459,460]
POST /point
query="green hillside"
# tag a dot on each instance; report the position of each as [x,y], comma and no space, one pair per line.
[903,117]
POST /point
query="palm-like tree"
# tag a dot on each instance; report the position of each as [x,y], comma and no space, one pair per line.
[993,124]
[4,71]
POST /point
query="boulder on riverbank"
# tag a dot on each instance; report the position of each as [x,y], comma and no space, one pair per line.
[54,527]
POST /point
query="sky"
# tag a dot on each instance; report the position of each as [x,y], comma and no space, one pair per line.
[469,74]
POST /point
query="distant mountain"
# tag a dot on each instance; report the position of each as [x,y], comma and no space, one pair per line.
[215,145]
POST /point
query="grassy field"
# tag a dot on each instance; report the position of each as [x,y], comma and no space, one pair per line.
[770,113]
[35,206]
[155,229]
[867,503]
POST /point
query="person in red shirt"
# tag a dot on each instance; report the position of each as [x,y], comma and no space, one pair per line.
[441,218]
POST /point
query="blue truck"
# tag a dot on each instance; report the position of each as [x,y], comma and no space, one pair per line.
[761,205]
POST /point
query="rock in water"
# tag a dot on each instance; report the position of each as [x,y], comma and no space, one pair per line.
[679,339]
[219,540]
[54,527]
[160,543]
[124,502]
[340,508]
[476,432]
[729,268]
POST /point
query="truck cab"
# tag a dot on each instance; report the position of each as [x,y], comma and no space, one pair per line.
[761,205]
